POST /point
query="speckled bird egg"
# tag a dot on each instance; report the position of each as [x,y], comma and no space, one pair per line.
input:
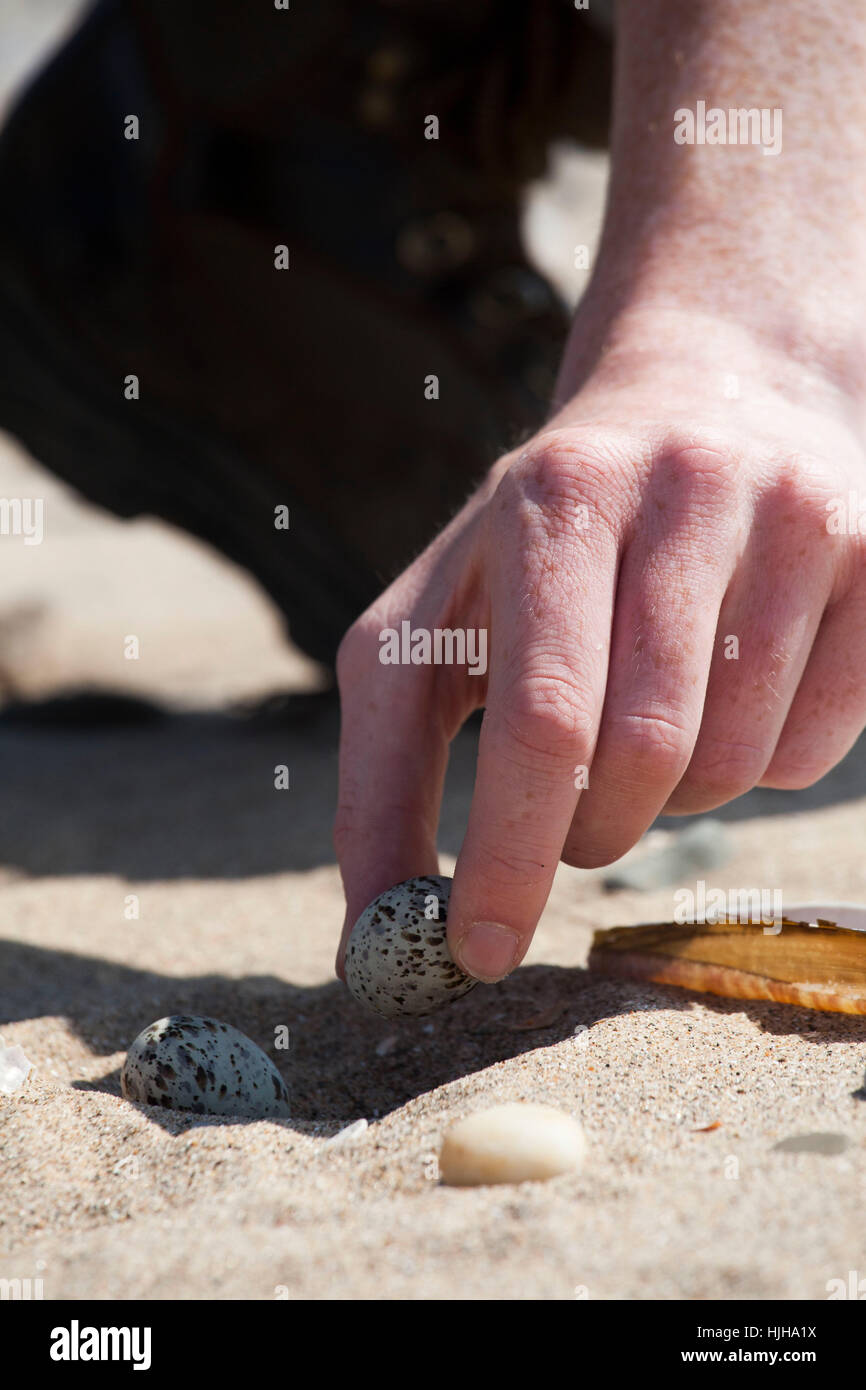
[202,1065]
[397,959]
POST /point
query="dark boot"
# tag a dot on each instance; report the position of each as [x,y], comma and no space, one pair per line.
[305,387]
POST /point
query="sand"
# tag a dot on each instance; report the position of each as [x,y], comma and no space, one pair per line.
[167,797]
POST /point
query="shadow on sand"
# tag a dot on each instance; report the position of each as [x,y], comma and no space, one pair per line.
[334,1067]
[99,783]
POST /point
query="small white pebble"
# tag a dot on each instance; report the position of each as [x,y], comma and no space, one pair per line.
[386,1045]
[14,1067]
[518,1142]
[351,1132]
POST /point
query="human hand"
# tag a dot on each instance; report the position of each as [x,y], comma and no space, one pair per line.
[667,601]
[669,610]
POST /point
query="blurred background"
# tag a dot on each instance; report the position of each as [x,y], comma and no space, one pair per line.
[208,633]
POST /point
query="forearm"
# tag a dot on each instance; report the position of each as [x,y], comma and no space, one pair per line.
[773,243]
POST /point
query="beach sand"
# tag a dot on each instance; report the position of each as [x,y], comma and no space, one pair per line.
[164,800]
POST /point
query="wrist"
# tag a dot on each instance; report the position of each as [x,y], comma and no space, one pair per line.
[630,326]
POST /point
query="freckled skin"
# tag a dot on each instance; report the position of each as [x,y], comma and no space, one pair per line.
[397,959]
[189,1063]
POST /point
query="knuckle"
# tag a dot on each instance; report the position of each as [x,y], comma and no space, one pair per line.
[804,496]
[722,769]
[548,467]
[522,867]
[560,471]
[654,745]
[545,718]
[704,472]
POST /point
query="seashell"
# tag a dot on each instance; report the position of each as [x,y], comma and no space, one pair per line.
[816,965]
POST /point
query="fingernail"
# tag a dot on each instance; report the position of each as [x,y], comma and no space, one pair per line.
[488,951]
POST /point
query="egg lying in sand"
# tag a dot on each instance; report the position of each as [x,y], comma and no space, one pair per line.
[397,959]
[202,1065]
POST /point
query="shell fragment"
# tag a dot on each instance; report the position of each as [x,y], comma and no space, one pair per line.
[813,963]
